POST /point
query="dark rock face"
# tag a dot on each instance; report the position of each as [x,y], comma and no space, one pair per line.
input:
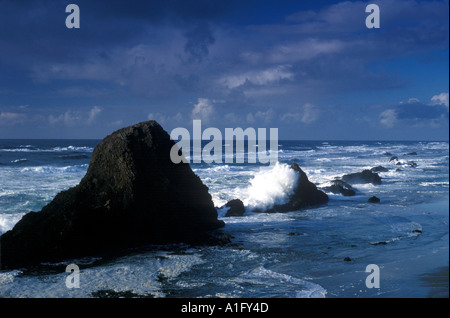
[236,208]
[373,199]
[412,164]
[305,194]
[132,194]
[340,187]
[394,158]
[379,169]
[365,176]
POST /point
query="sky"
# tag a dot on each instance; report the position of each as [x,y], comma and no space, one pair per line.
[312,69]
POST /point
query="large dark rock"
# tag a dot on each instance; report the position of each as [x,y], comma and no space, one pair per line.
[340,187]
[236,208]
[305,194]
[132,194]
[365,176]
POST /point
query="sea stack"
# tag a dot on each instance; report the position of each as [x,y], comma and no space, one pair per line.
[305,194]
[132,195]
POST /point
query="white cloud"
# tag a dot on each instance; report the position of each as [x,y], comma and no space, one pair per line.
[291,117]
[250,118]
[441,99]
[203,110]
[75,118]
[310,113]
[266,116]
[388,118]
[11,118]
[94,112]
[260,78]
[164,119]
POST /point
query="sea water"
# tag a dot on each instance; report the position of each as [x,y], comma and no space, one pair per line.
[316,252]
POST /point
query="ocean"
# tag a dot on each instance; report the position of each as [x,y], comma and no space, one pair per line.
[313,253]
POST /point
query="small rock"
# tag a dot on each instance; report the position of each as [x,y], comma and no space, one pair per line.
[412,164]
[379,243]
[393,158]
[347,259]
[374,199]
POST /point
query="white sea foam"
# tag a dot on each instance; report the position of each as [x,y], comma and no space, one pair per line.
[52,169]
[305,289]
[270,186]
[54,149]
[8,220]
[139,275]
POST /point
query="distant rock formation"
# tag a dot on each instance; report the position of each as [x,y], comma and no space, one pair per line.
[365,176]
[236,208]
[131,195]
[340,187]
[305,195]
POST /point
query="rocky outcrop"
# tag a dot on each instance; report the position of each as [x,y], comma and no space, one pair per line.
[132,194]
[305,194]
[236,208]
[363,177]
[340,187]
[379,169]
[374,199]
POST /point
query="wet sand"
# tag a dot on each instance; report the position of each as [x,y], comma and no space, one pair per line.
[437,281]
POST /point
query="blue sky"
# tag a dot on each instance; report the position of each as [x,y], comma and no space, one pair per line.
[312,69]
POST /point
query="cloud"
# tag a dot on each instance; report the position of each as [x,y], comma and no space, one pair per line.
[198,40]
[203,110]
[309,113]
[166,119]
[72,118]
[260,78]
[10,118]
[415,113]
[265,116]
[388,118]
[93,113]
[441,99]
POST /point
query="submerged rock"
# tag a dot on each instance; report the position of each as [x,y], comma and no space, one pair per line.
[340,187]
[365,176]
[132,194]
[305,194]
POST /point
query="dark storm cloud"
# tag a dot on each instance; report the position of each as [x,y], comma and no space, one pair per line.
[255,57]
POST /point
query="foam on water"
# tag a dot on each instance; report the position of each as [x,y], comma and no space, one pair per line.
[138,275]
[8,220]
[52,169]
[303,288]
[270,186]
